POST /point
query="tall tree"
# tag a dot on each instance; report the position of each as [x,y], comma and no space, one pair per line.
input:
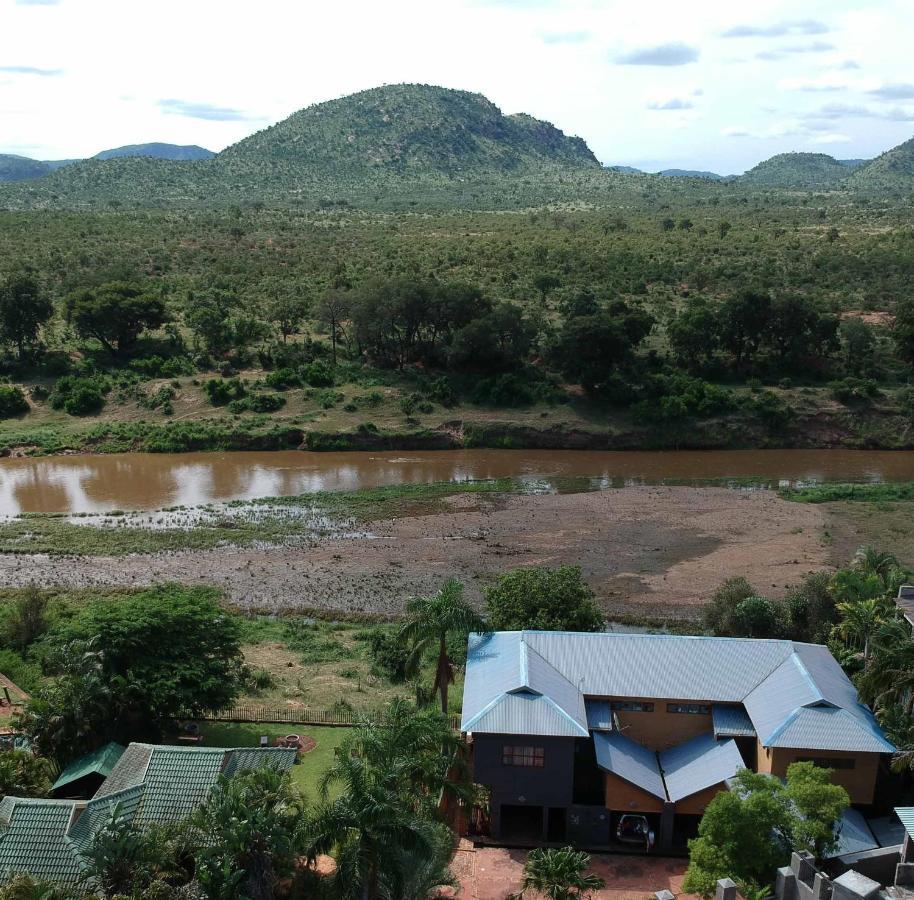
[333,308]
[431,620]
[24,309]
[115,314]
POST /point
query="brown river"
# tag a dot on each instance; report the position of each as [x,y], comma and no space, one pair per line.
[84,484]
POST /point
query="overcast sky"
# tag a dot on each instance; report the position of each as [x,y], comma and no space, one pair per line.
[712,84]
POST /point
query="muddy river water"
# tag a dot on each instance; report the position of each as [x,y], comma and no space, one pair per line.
[80,484]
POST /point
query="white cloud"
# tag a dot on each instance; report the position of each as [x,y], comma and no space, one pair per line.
[831,138]
[777,29]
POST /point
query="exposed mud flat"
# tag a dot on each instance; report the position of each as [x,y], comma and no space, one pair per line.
[651,551]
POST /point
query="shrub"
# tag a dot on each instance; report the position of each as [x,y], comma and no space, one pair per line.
[771,409]
[221,391]
[389,654]
[718,614]
[12,401]
[261,403]
[80,395]
[507,390]
[680,396]
[312,643]
[318,374]
[854,390]
[282,379]
[756,617]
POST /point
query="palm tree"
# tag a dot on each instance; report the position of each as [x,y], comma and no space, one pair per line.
[376,834]
[434,619]
[859,621]
[559,874]
[889,680]
[871,561]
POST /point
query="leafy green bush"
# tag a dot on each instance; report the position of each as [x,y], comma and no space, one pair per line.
[221,391]
[389,654]
[282,379]
[80,395]
[12,401]
[318,374]
[261,403]
[680,396]
[770,408]
[311,641]
[854,390]
[503,390]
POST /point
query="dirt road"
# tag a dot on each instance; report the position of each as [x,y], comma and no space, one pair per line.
[654,551]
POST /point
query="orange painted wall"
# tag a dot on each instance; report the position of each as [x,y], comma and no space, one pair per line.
[660,730]
[859,782]
[621,796]
[695,805]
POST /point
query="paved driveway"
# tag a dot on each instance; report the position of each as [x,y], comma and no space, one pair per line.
[492,873]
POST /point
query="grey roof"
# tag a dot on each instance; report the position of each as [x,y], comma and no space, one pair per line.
[630,761]
[699,764]
[731,720]
[790,690]
[599,715]
[888,830]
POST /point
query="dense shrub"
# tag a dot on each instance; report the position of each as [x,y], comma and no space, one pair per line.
[221,391]
[80,395]
[317,374]
[12,401]
[503,390]
[282,379]
[389,654]
[258,403]
[854,390]
[680,396]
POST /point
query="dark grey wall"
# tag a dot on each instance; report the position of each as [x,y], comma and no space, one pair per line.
[549,786]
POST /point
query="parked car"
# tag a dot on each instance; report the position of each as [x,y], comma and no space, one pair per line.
[635,829]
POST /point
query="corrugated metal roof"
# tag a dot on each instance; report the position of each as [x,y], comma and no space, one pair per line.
[630,761]
[697,764]
[100,762]
[853,834]
[773,679]
[526,713]
[906,815]
[149,784]
[731,721]
[599,715]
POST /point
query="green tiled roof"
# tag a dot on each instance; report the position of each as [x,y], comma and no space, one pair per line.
[101,762]
[33,839]
[148,784]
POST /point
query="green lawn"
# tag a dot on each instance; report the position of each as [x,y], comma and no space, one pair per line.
[307,773]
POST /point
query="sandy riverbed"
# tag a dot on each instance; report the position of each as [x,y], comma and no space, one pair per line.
[646,550]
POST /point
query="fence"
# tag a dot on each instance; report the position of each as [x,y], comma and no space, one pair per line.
[304,715]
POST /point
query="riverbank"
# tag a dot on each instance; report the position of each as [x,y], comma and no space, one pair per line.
[648,552]
[833,427]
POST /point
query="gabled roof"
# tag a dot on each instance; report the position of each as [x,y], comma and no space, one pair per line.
[906,816]
[528,696]
[148,784]
[99,762]
[790,690]
[699,764]
[630,761]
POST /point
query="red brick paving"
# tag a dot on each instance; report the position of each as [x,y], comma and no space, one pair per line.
[493,873]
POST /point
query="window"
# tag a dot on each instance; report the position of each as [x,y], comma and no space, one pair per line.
[529,757]
[692,709]
[631,706]
[827,762]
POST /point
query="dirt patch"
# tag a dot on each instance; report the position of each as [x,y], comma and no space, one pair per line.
[645,550]
[494,873]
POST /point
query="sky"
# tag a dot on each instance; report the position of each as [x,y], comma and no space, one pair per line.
[708,84]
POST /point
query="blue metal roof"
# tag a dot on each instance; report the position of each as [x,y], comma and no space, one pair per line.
[853,834]
[599,715]
[630,761]
[731,721]
[787,688]
[698,764]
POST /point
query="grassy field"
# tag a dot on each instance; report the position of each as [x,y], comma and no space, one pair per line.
[310,769]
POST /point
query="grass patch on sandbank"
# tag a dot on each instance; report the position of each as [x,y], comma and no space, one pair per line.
[902,491]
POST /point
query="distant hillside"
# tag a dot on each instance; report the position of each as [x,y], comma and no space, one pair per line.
[21,168]
[158,151]
[628,170]
[853,163]
[892,171]
[408,129]
[691,173]
[797,170]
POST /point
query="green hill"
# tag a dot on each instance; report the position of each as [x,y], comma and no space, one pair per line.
[892,171]
[797,170]
[158,151]
[691,173]
[408,129]
[21,168]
